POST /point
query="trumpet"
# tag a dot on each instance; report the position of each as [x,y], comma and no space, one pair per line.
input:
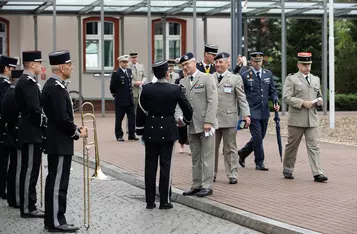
[98,173]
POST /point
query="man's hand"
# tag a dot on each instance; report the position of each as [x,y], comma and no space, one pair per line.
[138,83]
[84,131]
[307,104]
[320,103]
[207,127]
[180,123]
[247,121]
[239,60]
[276,107]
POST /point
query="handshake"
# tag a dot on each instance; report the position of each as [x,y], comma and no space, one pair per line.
[180,122]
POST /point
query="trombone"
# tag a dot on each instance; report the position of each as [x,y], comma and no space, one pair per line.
[87,145]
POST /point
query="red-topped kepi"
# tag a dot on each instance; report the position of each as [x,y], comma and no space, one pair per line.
[304,57]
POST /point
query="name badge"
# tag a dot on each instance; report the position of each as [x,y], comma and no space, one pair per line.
[227,89]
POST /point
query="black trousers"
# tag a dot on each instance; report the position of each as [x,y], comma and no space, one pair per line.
[13,178]
[56,189]
[154,151]
[4,163]
[30,168]
[258,129]
[120,112]
[183,135]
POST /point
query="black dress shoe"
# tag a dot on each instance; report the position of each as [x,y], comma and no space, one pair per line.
[166,206]
[120,139]
[64,228]
[204,192]
[191,192]
[241,159]
[133,139]
[233,181]
[320,178]
[150,206]
[69,224]
[261,168]
[288,176]
[34,214]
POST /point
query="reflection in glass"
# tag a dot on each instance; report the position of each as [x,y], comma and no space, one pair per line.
[108,53]
[108,28]
[92,52]
[174,49]
[92,28]
[158,30]
[174,28]
[159,45]
[2,27]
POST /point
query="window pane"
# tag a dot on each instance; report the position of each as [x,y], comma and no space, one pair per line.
[108,53]
[108,28]
[158,30]
[92,53]
[174,49]
[1,48]
[92,28]
[174,29]
[2,27]
[159,50]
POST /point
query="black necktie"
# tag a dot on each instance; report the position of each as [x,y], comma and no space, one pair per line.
[191,78]
[258,75]
[307,79]
[207,67]
[220,77]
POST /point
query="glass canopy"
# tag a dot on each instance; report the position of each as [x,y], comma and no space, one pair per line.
[207,8]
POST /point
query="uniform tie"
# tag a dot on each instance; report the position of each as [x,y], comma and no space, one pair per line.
[220,77]
[191,78]
[258,75]
[307,79]
[207,69]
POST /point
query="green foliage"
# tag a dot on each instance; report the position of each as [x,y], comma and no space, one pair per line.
[346,102]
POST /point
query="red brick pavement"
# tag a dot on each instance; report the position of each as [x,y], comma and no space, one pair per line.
[327,208]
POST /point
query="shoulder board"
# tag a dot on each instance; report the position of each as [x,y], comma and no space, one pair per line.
[246,71]
[60,84]
[30,78]
[182,87]
[5,81]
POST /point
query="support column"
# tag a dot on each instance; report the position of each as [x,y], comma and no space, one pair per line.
[54,26]
[102,55]
[194,29]
[233,34]
[205,30]
[245,22]
[122,35]
[80,54]
[283,52]
[239,26]
[164,38]
[35,25]
[332,65]
[324,57]
[149,42]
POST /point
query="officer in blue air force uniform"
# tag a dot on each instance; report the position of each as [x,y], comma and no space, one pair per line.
[259,88]
[156,122]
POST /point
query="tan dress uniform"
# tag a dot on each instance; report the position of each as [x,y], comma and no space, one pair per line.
[173,76]
[230,92]
[138,75]
[302,121]
[202,94]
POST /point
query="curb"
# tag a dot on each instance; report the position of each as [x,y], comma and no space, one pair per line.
[241,217]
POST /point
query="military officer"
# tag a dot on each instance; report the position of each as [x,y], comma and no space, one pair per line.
[121,89]
[60,135]
[259,87]
[7,64]
[31,132]
[207,65]
[301,91]
[201,91]
[139,77]
[10,113]
[241,65]
[173,75]
[156,122]
[230,91]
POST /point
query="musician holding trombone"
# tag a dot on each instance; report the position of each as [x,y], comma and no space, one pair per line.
[59,145]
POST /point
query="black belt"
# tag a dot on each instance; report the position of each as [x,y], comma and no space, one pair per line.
[157,115]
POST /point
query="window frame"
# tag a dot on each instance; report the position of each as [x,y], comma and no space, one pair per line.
[114,37]
[183,32]
[7,25]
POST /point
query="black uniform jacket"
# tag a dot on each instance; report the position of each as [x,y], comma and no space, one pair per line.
[4,86]
[28,100]
[121,87]
[155,118]
[10,116]
[200,66]
[61,130]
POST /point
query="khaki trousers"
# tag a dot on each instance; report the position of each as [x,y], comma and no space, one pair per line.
[312,145]
[202,149]
[229,151]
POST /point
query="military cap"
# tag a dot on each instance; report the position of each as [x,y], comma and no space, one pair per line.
[171,62]
[60,57]
[257,56]
[123,58]
[304,57]
[177,60]
[186,57]
[222,55]
[16,73]
[211,49]
[8,61]
[160,69]
[32,56]
[133,54]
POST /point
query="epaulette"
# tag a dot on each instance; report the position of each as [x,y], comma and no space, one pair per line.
[30,78]
[60,84]
[5,81]
[182,87]
[246,71]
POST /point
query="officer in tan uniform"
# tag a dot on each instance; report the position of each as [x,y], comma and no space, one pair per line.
[139,77]
[173,75]
[201,92]
[230,91]
[302,94]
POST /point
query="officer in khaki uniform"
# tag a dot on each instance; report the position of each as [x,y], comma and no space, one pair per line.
[139,77]
[201,92]
[172,74]
[300,92]
[230,90]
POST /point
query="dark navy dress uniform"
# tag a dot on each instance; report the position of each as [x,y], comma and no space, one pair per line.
[156,122]
[259,88]
[30,135]
[121,89]
[10,115]
[208,68]
[59,146]
[4,150]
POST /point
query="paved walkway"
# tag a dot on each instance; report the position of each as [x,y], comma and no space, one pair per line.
[117,207]
[327,208]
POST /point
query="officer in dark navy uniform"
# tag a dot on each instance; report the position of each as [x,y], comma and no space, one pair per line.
[121,89]
[10,114]
[7,64]
[31,131]
[259,88]
[59,146]
[207,64]
[156,122]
